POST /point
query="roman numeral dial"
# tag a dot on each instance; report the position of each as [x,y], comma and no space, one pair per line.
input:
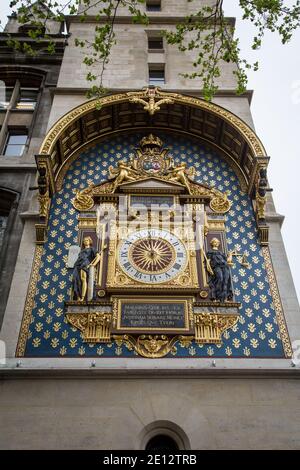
[152,256]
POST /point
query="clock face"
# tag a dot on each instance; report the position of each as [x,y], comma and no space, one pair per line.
[152,256]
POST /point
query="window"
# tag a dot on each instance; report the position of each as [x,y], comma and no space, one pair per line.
[153,5]
[20,89]
[156,74]
[5,95]
[27,98]
[15,143]
[162,443]
[156,43]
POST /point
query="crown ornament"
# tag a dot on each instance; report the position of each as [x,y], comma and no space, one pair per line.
[151,141]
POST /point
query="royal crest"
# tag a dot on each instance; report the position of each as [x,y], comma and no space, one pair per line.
[150,157]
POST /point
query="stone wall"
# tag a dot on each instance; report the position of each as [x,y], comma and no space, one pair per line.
[114,414]
[128,62]
[169,8]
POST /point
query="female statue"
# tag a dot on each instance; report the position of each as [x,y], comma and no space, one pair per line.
[218,268]
[86,259]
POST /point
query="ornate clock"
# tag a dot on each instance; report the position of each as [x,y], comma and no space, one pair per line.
[148,284]
[152,256]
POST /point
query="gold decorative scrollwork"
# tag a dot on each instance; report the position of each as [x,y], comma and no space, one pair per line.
[83,200]
[260,206]
[151,160]
[153,346]
[151,99]
[183,280]
[84,108]
[95,326]
[105,188]
[44,201]
[210,327]
[220,202]
[121,278]
[277,303]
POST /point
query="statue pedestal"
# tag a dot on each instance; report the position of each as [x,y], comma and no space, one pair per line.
[92,319]
[213,318]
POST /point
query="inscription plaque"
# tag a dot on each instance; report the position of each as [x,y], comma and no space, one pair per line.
[154,202]
[148,315]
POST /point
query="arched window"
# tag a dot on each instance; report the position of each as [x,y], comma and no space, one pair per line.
[162,443]
[163,436]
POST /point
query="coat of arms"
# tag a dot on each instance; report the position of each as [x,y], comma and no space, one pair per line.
[150,156]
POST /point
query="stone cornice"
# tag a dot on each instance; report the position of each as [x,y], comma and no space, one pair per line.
[30,215]
[179,373]
[276,218]
[27,167]
[227,368]
[226,92]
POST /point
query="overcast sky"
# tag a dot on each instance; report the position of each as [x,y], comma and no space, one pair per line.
[276,112]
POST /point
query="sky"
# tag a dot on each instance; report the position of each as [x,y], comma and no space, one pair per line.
[276,112]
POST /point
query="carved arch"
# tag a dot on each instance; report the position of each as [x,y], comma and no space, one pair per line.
[122,112]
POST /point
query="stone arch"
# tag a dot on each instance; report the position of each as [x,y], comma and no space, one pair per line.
[166,428]
[131,112]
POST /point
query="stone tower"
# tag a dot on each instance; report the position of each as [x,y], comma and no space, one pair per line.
[144,279]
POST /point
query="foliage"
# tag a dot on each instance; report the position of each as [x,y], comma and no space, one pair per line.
[206,34]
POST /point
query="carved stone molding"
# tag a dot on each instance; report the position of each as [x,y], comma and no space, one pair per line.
[151,99]
[277,303]
[152,346]
[209,121]
[95,326]
[210,327]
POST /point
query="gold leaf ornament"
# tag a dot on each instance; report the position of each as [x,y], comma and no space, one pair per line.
[220,203]
[83,200]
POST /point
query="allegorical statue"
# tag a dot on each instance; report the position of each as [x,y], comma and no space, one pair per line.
[180,174]
[124,172]
[219,273]
[43,196]
[87,258]
[261,194]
